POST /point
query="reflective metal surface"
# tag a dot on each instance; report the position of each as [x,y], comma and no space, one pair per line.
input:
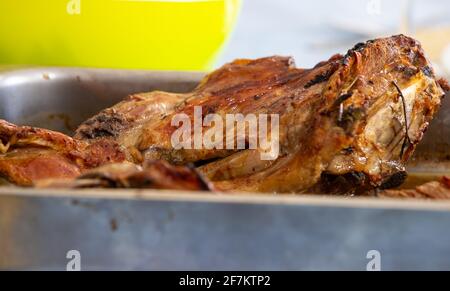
[57,97]
[154,230]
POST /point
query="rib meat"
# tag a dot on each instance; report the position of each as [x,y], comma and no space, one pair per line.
[355,118]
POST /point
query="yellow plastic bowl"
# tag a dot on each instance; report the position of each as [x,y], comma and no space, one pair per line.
[134,34]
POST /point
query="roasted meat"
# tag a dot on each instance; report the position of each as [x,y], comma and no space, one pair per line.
[355,118]
[435,190]
[29,154]
[153,174]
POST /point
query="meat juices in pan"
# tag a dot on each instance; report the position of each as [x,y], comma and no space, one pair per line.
[354,120]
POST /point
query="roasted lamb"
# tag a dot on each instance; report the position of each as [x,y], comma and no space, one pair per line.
[354,120]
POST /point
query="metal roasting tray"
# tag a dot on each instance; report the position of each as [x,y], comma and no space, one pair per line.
[167,230]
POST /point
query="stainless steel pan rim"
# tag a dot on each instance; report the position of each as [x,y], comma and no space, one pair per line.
[237,198]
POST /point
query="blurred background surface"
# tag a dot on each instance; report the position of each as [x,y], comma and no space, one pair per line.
[195,34]
[312,31]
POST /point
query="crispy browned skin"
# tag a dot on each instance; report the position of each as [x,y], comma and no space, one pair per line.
[437,190]
[237,87]
[348,115]
[125,123]
[358,115]
[153,175]
[28,154]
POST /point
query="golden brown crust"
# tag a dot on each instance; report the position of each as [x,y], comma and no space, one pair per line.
[31,154]
[269,85]
[359,121]
[360,113]
[153,175]
[23,167]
